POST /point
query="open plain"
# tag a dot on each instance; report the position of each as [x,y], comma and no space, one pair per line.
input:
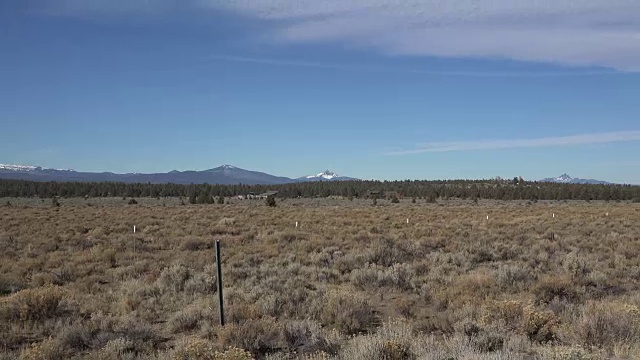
[450,280]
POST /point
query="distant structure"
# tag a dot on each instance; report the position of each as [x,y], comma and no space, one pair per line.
[267,194]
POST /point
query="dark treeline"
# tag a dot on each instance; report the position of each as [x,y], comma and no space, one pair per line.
[460,189]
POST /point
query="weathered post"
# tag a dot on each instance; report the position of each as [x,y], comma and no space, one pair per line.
[220,298]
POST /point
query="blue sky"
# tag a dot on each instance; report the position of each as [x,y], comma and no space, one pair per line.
[372,89]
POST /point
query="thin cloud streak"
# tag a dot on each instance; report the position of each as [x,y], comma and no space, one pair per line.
[582,33]
[599,33]
[573,140]
[478,74]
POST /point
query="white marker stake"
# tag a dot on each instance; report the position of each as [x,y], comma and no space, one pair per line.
[407,220]
[554,215]
[487,217]
[134,229]
[296,224]
[607,214]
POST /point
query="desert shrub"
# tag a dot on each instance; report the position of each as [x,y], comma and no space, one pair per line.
[258,336]
[308,337]
[511,277]
[539,326]
[434,323]
[133,202]
[603,324]
[468,287]
[117,349]
[551,287]
[32,304]
[226,221]
[388,251]
[394,340]
[10,284]
[567,353]
[119,335]
[194,244]
[575,265]
[347,312]
[395,200]
[481,254]
[201,349]
[134,293]
[173,278]
[75,337]
[187,319]
[373,276]
[47,349]
[485,342]
[239,312]
[507,313]
[395,350]
[201,282]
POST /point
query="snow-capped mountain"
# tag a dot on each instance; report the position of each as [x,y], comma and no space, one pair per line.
[27,168]
[326,176]
[566,179]
[7,167]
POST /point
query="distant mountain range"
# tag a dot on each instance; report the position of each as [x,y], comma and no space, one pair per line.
[566,179]
[224,175]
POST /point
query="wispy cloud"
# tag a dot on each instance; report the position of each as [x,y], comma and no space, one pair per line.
[368,68]
[579,32]
[601,33]
[573,140]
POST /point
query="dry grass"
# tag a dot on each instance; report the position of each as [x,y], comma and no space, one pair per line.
[352,281]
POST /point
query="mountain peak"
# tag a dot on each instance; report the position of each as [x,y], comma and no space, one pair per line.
[564,178]
[567,179]
[327,175]
[224,167]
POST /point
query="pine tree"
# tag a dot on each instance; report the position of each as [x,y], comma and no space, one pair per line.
[271,201]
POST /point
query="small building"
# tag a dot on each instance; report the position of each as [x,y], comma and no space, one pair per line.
[267,194]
